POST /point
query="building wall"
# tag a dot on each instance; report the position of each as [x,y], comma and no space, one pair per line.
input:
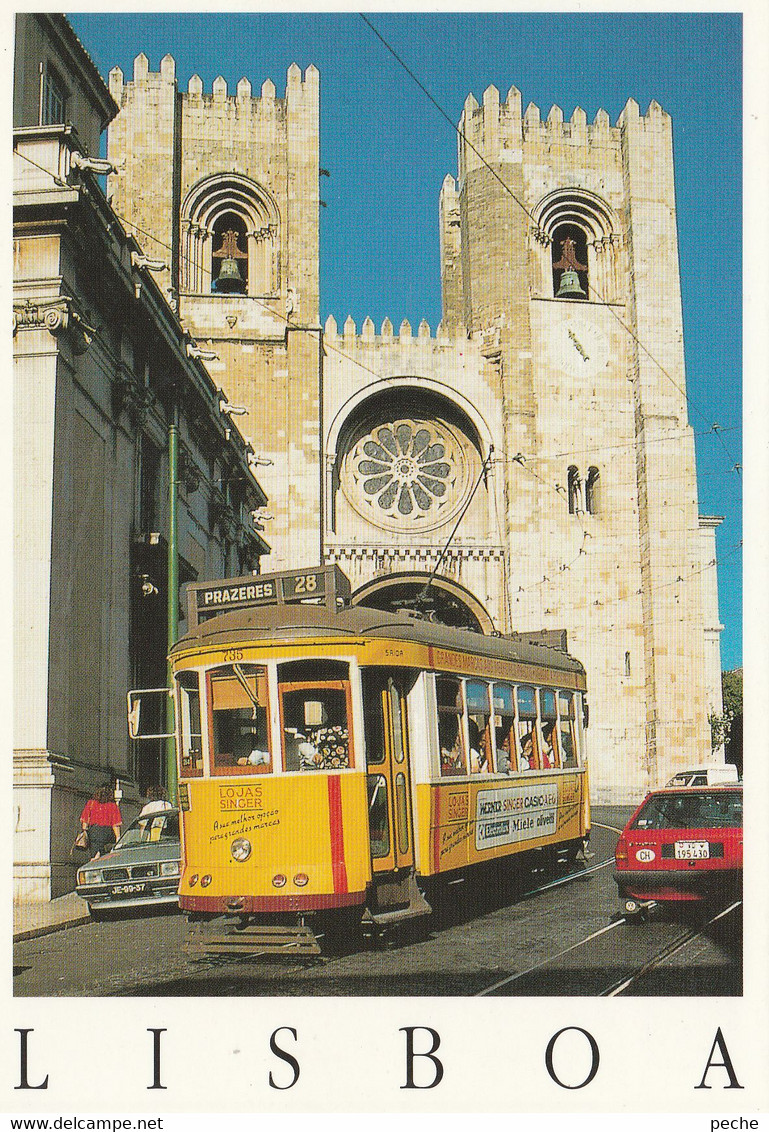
[101,366]
[43,41]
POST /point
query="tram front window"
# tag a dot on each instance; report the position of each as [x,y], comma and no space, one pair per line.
[191,753]
[241,742]
[315,723]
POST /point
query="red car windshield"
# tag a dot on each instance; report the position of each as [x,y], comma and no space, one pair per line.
[691,811]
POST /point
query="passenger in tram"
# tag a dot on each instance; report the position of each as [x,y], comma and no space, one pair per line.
[475,747]
[451,745]
[526,761]
[479,757]
[548,750]
[256,758]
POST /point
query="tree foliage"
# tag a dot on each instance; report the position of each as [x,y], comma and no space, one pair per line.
[731,686]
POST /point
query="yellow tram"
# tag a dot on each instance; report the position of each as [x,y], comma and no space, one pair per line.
[334,759]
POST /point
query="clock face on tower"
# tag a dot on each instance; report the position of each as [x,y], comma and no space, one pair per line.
[582,349]
[408,474]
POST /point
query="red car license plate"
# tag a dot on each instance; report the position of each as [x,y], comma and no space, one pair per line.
[692,850]
[127,889]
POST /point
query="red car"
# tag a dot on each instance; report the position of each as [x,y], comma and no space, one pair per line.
[681,844]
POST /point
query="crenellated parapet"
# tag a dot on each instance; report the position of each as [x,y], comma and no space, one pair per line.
[301,88]
[359,357]
[348,337]
[496,131]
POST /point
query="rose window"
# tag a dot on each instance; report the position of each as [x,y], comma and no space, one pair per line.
[407,472]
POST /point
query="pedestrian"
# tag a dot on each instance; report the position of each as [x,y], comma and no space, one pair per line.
[101,820]
[157,801]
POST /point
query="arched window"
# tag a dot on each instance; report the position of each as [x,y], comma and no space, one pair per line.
[211,258]
[581,247]
[569,254]
[593,492]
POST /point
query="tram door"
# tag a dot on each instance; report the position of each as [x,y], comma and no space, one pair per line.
[389,782]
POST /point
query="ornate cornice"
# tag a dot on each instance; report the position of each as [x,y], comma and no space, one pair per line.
[58,316]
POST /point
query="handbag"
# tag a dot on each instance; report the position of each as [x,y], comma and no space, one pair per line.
[81,841]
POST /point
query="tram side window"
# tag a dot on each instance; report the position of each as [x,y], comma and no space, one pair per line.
[527,729]
[450,737]
[479,727]
[240,733]
[191,749]
[315,724]
[566,729]
[504,724]
[549,738]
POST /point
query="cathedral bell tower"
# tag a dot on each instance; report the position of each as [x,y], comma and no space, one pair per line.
[559,237]
[224,189]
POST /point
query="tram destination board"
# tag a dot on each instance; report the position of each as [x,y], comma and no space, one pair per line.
[326,585]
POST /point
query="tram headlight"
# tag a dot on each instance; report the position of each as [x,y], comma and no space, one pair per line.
[279,880]
[241,849]
[206,880]
[301,879]
[193,880]
[169,868]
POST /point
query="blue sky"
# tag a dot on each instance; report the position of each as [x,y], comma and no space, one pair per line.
[388,149]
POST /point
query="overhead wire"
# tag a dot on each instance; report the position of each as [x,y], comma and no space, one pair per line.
[520,459]
[463,137]
[714,429]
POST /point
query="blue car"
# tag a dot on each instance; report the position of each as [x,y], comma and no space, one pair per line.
[141,871]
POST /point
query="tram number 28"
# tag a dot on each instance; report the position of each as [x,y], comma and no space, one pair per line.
[302,585]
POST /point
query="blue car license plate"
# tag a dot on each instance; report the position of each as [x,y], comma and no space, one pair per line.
[134,889]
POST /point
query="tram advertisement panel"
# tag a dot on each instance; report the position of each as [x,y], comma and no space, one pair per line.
[515,813]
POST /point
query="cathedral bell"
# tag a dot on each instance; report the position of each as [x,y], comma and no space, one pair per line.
[569,285]
[229,278]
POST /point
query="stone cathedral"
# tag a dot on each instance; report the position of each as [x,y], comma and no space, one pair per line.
[543,423]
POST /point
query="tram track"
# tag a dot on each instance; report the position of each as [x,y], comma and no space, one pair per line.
[667,952]
[628,979]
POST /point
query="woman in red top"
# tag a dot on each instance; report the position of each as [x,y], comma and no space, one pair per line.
[101,818]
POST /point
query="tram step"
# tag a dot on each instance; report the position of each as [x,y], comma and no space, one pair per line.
[411,904]
[254,939]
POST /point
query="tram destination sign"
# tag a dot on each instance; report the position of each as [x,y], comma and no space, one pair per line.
[324,585]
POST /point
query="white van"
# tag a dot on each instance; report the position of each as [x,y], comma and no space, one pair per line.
[717,775]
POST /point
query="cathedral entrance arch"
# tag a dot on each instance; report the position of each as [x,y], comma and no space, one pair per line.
[440,599]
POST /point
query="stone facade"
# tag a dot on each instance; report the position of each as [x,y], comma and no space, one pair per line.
[542,428]
[102,372]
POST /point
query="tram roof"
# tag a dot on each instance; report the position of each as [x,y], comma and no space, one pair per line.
[287,622]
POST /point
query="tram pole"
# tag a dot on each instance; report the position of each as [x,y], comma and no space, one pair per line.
[173,590]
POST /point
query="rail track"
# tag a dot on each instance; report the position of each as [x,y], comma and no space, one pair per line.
[630,980]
